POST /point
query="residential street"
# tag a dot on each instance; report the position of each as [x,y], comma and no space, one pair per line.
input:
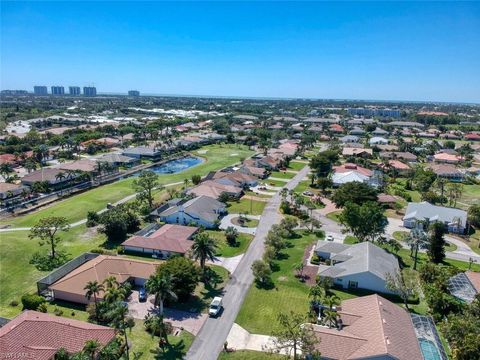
[209,341]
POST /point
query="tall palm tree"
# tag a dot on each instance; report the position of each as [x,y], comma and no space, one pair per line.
[330,318]
[60,177]
[121,322]
[417,239]
[91,348]
[316,293]
[114,294]
[203,248]
[110,282]
[186,181]
[440,185]
[158,326]
[93,289]
[161,286]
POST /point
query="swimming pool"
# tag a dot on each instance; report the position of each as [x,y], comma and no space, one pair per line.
[429,350]
[175,166]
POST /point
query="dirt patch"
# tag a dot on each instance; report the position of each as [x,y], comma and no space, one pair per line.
[89,233]
[282,278]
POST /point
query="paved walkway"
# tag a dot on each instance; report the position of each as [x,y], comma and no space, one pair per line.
[229,263]
[240,339]
[209,342]
[227,222]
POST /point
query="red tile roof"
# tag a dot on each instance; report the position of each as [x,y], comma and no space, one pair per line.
[39,336]
[373,327]
[172,238]
[347,167]
[474,278]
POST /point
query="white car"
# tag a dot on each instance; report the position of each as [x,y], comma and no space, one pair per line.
[215,306]
[329,238]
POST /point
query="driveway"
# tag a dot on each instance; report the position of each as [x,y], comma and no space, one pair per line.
[209,342]
[227,222]
[229,263]
[192,322]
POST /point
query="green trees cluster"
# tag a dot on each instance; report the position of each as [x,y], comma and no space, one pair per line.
[119,221]
[354,192]
[323,162]
[366,221]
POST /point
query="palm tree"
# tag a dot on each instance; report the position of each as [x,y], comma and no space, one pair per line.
[186,182]
[440,184]
[91,348]
[316,293]
[5,169]
[110,282]
[93,289]
[122,322]
[60,177]
[204,248]
[172,192]
[330,301]
[161,286]
[417,239]
[330,318]
[157,326]
[284,193]
[114,294]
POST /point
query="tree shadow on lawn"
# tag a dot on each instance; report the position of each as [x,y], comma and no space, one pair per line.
[172,351]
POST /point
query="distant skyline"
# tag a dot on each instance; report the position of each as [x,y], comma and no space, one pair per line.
[380,51]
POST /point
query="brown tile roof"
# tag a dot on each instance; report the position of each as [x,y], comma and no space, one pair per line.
[447,157]
[397,165]
[373,327]
[99,269]
[237,176]
[39,336]
[474,278]
[44,174]
[356,151]
[80,165]
[386,198]
[444,169]
[257,171]
[7,159]
[213,189]
[5,187]
[172,238]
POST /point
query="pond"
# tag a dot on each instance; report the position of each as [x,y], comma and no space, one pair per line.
[175,166]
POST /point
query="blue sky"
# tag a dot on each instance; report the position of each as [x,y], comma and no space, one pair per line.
[399,51]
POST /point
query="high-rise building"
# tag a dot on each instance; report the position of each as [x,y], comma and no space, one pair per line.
[74,90]
[40,90]
[58,90]
[133,93]
[89,91]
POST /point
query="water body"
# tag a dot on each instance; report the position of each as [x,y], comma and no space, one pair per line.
[176,166]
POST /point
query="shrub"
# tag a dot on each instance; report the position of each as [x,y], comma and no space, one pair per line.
[92,219]
[13,303]
[58,312]
[32,301]
[42,308]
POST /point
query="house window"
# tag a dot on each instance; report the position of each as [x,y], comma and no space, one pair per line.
[352,284]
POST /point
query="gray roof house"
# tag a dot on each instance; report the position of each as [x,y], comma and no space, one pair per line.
[349,139]
[118,160]
[454,219]
[202,211]
[362,265]
[143,152]
[379,132]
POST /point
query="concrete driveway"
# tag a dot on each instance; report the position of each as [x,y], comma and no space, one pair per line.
[192,322]
[227,221]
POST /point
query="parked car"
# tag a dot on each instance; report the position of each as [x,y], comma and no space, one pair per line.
[215,306]
[142,294]
[329,238]
[308,193]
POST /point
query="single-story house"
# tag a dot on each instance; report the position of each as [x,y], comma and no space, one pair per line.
[454,219]
[167,240]
[201,211]
[379,132]
[10,190]
[349,139]
[258,172]
[39,336]
[474,136]
[447,171]
[215,189]
[401,155]
[50,175]
[400,167]
[444,157]
[357,131]
[369,327]
[465,285]
[378,140]
[118,160]
[71,287]
[354,151]
[84,165]
[269,162]
[143,152]
[235,178]
[363,265]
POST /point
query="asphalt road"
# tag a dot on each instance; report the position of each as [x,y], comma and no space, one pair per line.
[209,342]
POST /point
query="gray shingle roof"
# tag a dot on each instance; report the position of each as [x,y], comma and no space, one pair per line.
[363,257]
[202,207]
[425,210]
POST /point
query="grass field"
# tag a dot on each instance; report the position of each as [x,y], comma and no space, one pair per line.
[261,307]
[17,276]
[246,206]
[277,183]
[282,175]
[296,165]
[76,207]
[470,196]
[243,241]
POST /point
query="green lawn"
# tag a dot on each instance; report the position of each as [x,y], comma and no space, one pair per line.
[296,165]
[147,346]
[243,241]
[276,183]
[470,196]
[282,175]
[246,206]
[263,196]
[204,294]
[76,207]
[261,307]
[17,276]
[334,215]
[349,239]
[402,235]
[250,355]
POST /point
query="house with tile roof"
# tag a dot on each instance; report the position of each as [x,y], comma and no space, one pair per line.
[163,242]
[39,336]
[371,327]
[215,189]
[71,287]
[202,211]
[447,171]
[446,158]
[363,265]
